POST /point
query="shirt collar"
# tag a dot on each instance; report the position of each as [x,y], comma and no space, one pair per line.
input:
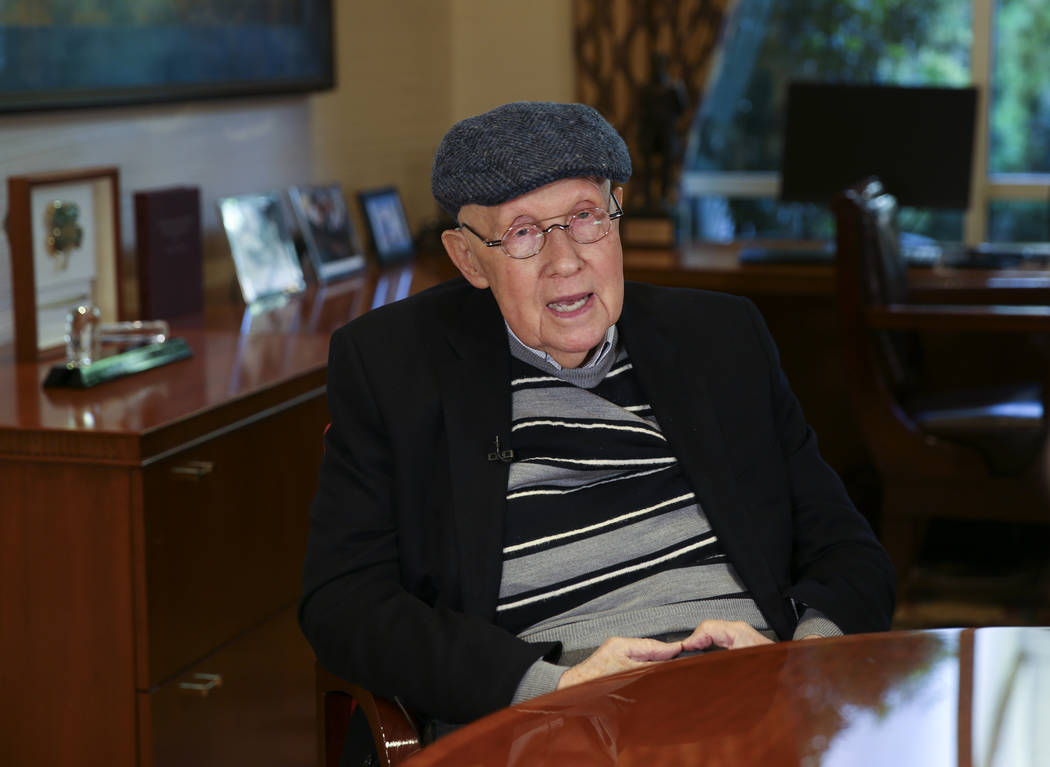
[608,343]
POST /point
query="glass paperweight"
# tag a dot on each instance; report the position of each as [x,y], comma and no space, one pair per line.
[83,340]
[134,333]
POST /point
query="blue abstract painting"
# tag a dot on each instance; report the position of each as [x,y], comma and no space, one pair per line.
[68,53]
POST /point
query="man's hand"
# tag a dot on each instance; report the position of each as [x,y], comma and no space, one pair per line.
[619,654]
[731,635]
[623,654]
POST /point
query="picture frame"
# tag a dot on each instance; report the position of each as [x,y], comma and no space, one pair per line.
[388,231]
[260,240]
[129,52]
[64,231]
[328,232]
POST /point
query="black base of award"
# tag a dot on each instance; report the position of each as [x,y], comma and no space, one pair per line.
[118,365]
[648,231]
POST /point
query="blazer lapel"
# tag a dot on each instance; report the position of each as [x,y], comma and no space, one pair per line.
[677,386]
[684,409]
[475,390]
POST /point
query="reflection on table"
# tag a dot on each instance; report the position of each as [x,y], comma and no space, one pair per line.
[945,697]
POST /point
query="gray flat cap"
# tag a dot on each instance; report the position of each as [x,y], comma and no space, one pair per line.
[513,149]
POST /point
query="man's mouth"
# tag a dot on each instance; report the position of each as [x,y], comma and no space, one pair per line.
[567,305]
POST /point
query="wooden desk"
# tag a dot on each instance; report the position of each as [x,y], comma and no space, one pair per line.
[152,532]
[714,266]
[948,698]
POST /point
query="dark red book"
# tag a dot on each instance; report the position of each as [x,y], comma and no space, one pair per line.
[169,250]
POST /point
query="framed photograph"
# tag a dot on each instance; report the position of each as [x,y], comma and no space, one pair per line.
[328,233]
[58,55]
[387,226]
[261,245]
[64,231]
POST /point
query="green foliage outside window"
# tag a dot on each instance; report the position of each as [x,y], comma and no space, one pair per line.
[768,44]
[1020,119]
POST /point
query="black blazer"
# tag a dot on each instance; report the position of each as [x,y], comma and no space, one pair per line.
[403,564]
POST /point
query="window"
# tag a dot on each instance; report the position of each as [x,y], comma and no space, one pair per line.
[730,180]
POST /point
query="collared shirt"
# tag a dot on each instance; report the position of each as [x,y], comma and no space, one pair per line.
[603,349]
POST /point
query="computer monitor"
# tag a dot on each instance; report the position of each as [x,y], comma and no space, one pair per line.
[917,140]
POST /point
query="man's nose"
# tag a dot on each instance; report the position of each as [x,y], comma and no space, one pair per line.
[562,252]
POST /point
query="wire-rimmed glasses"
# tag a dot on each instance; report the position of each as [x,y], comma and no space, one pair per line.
[526,240]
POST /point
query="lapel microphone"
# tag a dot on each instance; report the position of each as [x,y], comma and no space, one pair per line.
[506,456]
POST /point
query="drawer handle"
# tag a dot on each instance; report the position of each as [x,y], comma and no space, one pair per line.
[205,684]
[193,470]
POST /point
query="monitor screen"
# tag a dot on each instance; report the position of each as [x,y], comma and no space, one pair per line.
[917,140]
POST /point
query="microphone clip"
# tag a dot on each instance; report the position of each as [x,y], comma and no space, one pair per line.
[506,455]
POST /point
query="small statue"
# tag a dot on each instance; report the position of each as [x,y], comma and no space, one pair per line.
[661,102]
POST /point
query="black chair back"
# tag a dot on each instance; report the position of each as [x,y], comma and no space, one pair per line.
[873,273]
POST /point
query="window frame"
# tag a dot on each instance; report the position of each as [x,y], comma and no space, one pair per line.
[985,186]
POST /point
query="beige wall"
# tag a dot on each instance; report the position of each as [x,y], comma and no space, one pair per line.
[382,123]
[225,148]
[406,71]
[509,51]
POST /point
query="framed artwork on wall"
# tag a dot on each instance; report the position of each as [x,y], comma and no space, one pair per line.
[328,233]
[387,225]
[261,245]
[59,55]
[64,231]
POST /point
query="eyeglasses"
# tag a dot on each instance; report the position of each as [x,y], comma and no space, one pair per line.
[526,240]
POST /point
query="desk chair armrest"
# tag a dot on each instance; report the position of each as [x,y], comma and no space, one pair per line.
[393,728]
[1030,319]
[394,731]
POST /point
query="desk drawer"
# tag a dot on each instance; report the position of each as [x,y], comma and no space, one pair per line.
[259,710]
[225,526]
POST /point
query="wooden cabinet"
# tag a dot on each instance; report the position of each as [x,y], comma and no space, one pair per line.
[151,542]
[152,532]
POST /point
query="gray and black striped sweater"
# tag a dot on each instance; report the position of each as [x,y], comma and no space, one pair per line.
[603,535]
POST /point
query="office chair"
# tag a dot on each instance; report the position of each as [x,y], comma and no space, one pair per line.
[977,454]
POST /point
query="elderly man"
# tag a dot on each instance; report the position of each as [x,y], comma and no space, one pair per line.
[538,475]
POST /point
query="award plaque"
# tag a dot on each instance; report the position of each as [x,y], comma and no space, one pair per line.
[115,366]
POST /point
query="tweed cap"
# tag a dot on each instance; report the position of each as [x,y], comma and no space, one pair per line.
[502,154]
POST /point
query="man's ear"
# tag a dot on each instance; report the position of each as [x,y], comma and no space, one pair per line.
[463,257]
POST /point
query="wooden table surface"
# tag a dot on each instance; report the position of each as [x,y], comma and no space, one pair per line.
[932,698]
[244,359]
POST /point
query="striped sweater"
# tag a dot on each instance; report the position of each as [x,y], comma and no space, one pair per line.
[603,534]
